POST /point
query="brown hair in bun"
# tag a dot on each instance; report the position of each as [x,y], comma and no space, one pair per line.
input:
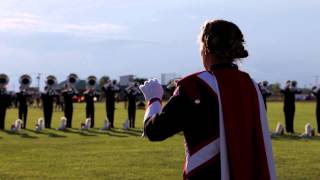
[224,40]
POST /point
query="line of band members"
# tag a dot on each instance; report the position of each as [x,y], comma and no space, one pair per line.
[110,89]
[289,92]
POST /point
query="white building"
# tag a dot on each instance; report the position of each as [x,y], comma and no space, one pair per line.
[166,77]
[125,80]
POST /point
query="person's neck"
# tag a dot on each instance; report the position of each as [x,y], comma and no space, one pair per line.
[215,61]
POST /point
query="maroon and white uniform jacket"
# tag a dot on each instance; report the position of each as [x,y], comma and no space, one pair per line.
[223,118]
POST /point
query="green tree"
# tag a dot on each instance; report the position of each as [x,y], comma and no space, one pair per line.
[103,80]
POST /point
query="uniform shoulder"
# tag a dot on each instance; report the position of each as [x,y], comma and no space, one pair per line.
[189,78]
[246,75]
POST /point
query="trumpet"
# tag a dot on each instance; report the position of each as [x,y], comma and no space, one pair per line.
[25,81]
[4,80]
[51,81]
[91,82]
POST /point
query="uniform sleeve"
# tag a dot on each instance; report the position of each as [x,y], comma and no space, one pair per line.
[269,93]
[103,89]
[170,120]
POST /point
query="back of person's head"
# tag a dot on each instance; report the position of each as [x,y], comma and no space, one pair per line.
[223,39]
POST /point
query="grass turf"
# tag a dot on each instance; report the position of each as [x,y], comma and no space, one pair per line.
[120,154]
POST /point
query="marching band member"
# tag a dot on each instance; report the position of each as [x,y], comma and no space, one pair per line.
[289,107]
[316,92]
[110,89]
[22,98]
[132,92]
[47,99]
[90,95]
[5,99]
[68,93]
[220,111]
[265,91]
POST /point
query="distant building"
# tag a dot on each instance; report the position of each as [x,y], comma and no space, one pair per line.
[125,80]
[167,77]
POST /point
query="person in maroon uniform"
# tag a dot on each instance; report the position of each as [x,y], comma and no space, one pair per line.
[220,111]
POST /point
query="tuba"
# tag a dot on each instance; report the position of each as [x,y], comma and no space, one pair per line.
[91,82]
[4,80]
[25,81]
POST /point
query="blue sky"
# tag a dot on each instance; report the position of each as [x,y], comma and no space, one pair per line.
[149,37]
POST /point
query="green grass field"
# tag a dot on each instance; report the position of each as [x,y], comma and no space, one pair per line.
[120,154]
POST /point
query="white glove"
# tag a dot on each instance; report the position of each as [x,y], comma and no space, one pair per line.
[151,89]
[106,85]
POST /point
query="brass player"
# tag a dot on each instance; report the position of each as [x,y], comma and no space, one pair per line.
[265,91]
[90,96]
[48,97]
[220,111]
[68,93]
[289,107]
[110,89]
[132,92]
[5,99]
[23,97]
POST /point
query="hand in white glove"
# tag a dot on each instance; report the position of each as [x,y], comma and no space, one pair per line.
[152,89]
[106,85]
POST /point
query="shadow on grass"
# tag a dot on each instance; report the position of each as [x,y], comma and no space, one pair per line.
[136,130]
[21,134]
[72,130]
[77,131]
[50,134]
[294,137]
[53,135]
[85,133]
[127,132]
[105,132]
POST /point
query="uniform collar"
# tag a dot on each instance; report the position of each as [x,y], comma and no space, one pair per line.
[224,66]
